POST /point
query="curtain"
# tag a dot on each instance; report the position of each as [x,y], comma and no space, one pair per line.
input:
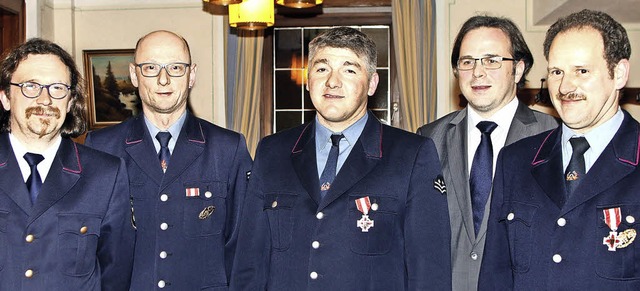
[415,50]
[246,103]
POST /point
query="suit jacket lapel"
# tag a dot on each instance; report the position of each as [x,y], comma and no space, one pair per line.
[139,146]
[364,156]
[619,159]
[11,180]
[63,175]
[303,157]
[190,145]
[521,125]
[456,168]
[547,167]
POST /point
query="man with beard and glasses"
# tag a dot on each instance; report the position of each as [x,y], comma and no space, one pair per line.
[565,206]
[65,220]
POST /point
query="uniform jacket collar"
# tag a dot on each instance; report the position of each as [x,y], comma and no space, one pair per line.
[366,153]
[189,146]
[65,171]
[618,160]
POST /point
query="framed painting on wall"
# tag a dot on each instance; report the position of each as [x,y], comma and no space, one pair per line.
[111,98]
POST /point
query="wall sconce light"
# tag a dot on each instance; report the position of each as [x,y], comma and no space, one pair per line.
[252,14]
[299,3]
[223,2]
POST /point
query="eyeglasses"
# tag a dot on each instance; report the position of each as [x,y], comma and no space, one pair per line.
[153,69]
[33,89]
[489,63]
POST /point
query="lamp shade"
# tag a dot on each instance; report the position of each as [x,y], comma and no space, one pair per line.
[223,2]
[299,3]
[252,14]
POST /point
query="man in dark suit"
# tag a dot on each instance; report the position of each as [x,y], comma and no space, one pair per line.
[565,202]
[69,227]
[187,176]
[491,60]
[379,225]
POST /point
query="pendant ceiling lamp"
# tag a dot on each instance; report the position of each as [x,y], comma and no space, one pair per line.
[223,2]
[299,3]
[251,14]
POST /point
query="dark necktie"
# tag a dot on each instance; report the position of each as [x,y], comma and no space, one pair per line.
[576,168]
[329,172]
[164,155]
[481,173]
[33,182]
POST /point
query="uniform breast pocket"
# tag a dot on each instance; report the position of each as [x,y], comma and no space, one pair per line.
[373,234]
[618,253]
[4,217]
[279,209]
[204,208]
[78,236]
[519,217]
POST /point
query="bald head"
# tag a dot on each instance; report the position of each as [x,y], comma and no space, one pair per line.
[161,37]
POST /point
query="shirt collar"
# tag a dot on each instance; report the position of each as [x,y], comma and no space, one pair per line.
[174,130]
[598,137]
[502,117]
[43,167]
[351,133]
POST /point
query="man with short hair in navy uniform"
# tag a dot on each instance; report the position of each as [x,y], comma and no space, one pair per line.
[344,202]
[566,202]
[187,176]
[70,227]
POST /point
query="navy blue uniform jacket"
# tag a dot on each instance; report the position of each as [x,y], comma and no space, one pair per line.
[78,233]
[176,246]
[290,239]
[538,241]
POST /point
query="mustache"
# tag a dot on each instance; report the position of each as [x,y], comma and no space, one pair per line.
[39,110]
[572,97]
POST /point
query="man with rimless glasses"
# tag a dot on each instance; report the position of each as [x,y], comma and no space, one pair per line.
[187,176]
[64,208]
[491,60]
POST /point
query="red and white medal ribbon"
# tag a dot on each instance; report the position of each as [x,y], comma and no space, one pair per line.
[612,218]
[363,204]
[365,223]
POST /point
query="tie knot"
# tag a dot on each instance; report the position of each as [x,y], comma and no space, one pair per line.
[335,139]
[486,126]
[33,159]
[579,144]
[163,137]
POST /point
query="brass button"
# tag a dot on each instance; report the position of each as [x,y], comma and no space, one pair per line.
[28,273]
[274,204]
[83,229]
[29,238]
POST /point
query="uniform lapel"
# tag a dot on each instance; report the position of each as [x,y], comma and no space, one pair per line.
[11,180]
[456,168]
[190,145]
[547,167]
[140,148]
[619,159]
[364,156]
[65,172]
[303,157]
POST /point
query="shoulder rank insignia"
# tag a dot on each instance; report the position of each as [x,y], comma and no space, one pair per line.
[439,185]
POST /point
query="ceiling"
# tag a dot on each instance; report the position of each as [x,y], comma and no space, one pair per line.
[546,12]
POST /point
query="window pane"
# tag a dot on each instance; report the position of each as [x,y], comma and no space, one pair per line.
[287,91]
[379,100]
[380,37]
[287,119]
[288,48]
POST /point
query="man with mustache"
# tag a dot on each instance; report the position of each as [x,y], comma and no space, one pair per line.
[566,204]
[65,220]
[490,60]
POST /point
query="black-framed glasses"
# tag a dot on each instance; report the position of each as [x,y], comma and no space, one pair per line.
[153,70]
[33,89]
[489,62]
